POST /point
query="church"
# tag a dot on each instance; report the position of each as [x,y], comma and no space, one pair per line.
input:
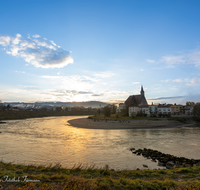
[136,100]
[136,103]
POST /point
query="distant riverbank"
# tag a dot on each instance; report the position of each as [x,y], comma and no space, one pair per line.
[10,115]
[126,124]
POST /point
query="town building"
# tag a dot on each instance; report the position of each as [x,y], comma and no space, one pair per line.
[137,103]
[121,107]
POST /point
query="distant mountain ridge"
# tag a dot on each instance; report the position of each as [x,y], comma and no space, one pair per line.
[93,104]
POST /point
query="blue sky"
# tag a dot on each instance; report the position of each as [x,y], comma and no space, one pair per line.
[99,50]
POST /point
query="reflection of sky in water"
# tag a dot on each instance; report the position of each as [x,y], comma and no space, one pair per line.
[51,140]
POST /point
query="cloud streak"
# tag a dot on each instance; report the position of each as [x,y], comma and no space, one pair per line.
[36,51]
[164,98]
[189,82]
[189,58]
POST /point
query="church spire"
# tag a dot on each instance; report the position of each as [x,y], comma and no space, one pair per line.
[142,91]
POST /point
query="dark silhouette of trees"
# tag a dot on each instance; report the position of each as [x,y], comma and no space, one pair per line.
[196,110]
[107,111]
[191,104]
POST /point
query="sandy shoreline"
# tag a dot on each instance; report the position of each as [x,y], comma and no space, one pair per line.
[131,124]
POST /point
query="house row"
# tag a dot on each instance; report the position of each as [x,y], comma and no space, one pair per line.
[164,109]
[138,103]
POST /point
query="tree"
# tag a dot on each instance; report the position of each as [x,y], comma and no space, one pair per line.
[58,109]
[113,108]
[133,114]
[1,105]
[196,110]
[150,111]
[140,114]
[156,110]
[190,104]
[107,111]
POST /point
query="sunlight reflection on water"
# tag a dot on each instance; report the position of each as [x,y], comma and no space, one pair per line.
[51,140]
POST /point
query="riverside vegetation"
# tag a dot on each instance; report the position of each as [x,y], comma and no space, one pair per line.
[125,118]
[89,177]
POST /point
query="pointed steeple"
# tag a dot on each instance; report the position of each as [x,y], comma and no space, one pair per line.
[142,91]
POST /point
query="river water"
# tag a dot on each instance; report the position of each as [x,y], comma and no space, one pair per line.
[51,140]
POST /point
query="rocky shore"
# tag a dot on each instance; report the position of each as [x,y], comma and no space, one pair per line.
[126,124]
[166,160]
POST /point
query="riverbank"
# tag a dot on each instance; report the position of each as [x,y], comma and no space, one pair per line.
[10,115]
[126,124]
[90,177]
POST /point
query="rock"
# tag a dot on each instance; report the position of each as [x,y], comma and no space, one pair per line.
[177,164]
[187,165]
[145,166]
[161,164]
[153,160]
[170,165]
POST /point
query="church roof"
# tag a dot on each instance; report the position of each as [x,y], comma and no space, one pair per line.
[133,100]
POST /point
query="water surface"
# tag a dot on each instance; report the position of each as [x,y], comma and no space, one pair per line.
[51,140]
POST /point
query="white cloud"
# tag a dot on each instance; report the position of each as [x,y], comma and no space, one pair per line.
[136,82]
[20,71]
[141,69]
[73,82]
[167,80]
[189,82]
[105,74]
[192,58]
[53,42]
[150,60]
[5,40]
[192,82]
[173,59]
[178,80]
[40,53]
[36,36]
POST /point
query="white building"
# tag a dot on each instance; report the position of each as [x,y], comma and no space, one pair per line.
[164,109]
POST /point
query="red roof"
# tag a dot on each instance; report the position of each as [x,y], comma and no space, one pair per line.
[138,99]
[133,100]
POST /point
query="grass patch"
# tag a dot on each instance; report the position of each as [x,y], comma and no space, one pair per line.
[89,177]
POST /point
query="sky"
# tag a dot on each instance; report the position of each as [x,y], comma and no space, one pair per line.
[102,50]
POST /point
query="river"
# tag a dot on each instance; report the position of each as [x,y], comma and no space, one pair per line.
[50,140]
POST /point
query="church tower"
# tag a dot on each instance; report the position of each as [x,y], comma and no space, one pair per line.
[142,91]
